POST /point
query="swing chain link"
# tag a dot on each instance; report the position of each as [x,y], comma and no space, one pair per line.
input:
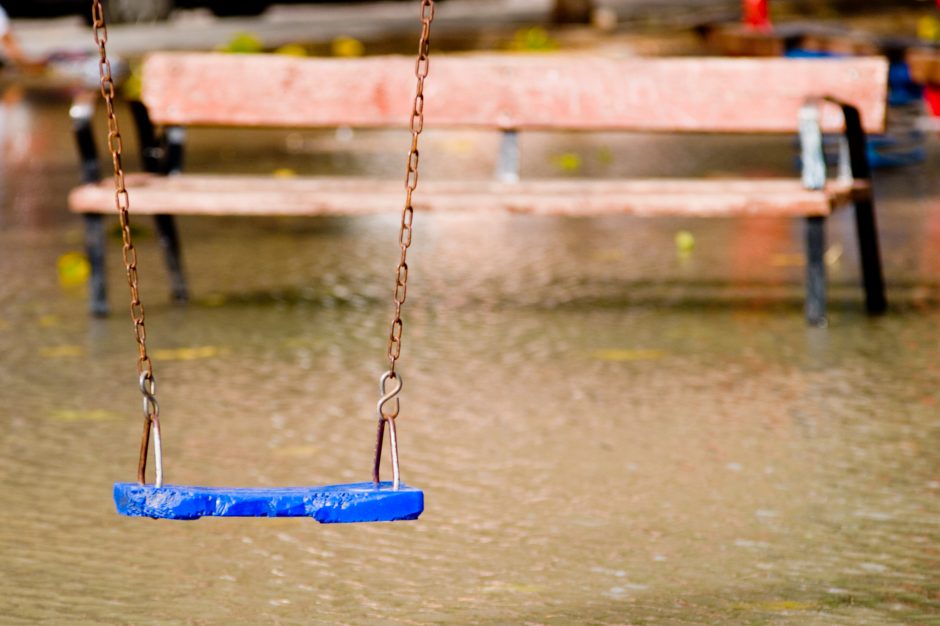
[422,65]
[129,252]
[416,125]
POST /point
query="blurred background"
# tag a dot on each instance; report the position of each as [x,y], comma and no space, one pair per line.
[615,420]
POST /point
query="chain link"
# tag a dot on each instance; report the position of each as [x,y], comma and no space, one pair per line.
[129,252]
[393,352]
[422,65]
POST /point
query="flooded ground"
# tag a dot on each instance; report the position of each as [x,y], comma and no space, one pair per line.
[607,431]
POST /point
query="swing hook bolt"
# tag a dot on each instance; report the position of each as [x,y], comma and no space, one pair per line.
[386,397]
[148,388]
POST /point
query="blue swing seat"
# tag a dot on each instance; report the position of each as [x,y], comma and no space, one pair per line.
[331,504]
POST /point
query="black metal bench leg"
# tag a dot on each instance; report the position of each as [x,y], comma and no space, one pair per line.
[169,241]
[94,248]
[872,277]
[81,112]
[174,142]
[816,271]
[163,159]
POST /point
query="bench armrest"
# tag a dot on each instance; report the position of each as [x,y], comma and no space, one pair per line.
[853,162]
[855,142]
[82,112]
[811,146]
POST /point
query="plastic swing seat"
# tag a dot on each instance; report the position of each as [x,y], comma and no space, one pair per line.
[330,504]
[372,501]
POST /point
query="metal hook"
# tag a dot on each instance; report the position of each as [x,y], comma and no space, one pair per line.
[386,397]
[148,387]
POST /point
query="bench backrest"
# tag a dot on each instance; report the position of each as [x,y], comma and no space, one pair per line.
[511,91]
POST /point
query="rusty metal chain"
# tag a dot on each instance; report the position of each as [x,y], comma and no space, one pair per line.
[122,204]
[422,65]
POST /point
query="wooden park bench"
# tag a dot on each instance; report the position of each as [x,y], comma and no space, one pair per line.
[511,93]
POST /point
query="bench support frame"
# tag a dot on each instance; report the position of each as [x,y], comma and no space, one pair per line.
[507,164]
[82,113]
[815,306]
[156,158]
[163,154]
[854,164]
[873,281]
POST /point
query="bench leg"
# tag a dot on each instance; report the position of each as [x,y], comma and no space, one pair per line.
[872,278]
[169,241]
[507,167]
[82,111]
[174,144]
[175,149]
[161,159]
[94,248]
[816,271]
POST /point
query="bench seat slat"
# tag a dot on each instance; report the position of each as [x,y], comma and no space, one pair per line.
[264,195]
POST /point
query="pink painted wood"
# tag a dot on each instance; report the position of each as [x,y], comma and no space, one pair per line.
[563,91]
[261,195]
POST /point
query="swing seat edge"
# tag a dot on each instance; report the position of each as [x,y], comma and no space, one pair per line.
[328,504]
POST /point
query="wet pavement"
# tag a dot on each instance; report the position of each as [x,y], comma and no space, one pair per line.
[608,430]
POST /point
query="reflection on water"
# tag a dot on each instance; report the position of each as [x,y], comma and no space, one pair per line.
[607,432]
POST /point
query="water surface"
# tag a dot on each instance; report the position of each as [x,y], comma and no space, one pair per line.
[607,431]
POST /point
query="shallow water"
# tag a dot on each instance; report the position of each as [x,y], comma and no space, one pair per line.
[607,432]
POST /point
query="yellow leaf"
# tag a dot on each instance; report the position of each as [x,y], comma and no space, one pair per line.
[187,354]
[685,241]
[60,352]
[73,269]
[928,28]
[775,605]
[214,300]
[242,43]
[622,355]
[77,415]
[292,50]
[284,172]
[568,161]
[534,39]
[48,321]
[133,84]
[787,260]
[347,47]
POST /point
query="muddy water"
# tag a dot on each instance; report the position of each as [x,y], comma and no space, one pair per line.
[607,431]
